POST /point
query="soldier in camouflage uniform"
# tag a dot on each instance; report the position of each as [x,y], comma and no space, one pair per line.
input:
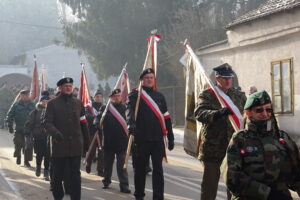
[262,161]
[18,113]
[216,130]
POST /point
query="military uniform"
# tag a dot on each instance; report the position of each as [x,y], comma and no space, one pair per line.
[259,161]
[149,140]
[215,134]
[18,113]
[65,121]
[262,162]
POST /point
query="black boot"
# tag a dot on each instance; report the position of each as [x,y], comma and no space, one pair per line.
[18,160]
[38,170]
[27,164]
[46,175]
[125,189]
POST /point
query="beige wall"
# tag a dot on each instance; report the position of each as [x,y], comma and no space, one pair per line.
[251,60]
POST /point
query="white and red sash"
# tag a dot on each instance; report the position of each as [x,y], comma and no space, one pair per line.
[119,117]
[83,119]
[154,107]
[92,109]
[236,116]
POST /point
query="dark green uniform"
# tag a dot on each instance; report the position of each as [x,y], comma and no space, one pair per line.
[215,135]
[260,162]
[18,114]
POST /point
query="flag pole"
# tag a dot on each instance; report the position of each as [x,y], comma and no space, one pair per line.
[131,137]
[196,59]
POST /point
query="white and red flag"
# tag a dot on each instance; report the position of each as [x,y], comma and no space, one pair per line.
[196,82]
[35,86]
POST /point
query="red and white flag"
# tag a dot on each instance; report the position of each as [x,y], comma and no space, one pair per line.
[151,58]
[35,86]
[84,94]
[123,85]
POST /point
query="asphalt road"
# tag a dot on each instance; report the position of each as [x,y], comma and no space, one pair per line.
[182,179]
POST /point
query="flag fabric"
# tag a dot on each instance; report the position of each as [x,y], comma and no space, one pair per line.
[35,86]
[84,95]
[196,82]
[123,85]
[43,80]
[151,57]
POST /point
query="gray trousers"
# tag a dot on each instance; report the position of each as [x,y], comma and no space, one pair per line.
[109,158]
[210,181]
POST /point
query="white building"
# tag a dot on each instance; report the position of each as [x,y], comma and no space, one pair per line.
[263,46]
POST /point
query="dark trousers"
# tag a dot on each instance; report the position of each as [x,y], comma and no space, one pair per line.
[143,152]
[109,158]
[40,148]
[100,161]
[59,166]
[19,141]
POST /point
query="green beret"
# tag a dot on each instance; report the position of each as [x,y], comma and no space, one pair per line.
[257,99]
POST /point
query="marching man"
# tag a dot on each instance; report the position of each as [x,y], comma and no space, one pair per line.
[151,129]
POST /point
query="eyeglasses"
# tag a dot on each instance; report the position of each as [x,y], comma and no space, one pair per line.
[260,110]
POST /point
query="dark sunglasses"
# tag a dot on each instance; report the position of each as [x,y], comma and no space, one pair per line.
[260,110]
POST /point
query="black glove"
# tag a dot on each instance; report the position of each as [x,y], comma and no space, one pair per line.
[132,129]
[222,112]
[11,129]
[278,195]
[171,145]
[58,137]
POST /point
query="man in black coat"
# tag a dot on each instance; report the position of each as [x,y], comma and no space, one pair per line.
[91,114]
[151,129]
[66,123]
[115,140]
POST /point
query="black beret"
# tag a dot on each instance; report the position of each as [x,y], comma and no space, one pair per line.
[257,99]
[224,71]
[24,92]
[44,97]
[97,92]
[64,80]
[146,71]
[115,91]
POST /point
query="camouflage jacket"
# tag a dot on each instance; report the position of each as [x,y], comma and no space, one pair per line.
[18,113]
[258,161]
[215,134]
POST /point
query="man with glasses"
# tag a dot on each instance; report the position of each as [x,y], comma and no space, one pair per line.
[216,130]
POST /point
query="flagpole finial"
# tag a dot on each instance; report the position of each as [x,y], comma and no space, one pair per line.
[154,31]
[34,57]
[185,42]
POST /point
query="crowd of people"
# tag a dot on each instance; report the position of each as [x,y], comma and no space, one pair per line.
[258,162]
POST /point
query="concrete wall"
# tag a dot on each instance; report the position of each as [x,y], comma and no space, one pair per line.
[250,50]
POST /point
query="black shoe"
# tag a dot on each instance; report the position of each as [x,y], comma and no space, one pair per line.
[27,164]
[105,187]
[67,191]
[18,160]
[125,190]
[88,169]
[37,170]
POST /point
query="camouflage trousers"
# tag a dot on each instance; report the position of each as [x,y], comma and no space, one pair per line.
[19,141]
[210,181]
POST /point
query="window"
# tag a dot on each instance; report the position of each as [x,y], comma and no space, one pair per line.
[282,86]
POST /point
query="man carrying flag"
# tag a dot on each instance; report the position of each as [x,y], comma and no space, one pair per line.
[115,134]
[216,130]
[151,127]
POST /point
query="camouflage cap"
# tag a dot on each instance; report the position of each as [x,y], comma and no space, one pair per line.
[224,71]
[257,99]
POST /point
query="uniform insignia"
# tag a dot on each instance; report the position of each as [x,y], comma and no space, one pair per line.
[249,149]
[67,80]
[242,151]
[282,141]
